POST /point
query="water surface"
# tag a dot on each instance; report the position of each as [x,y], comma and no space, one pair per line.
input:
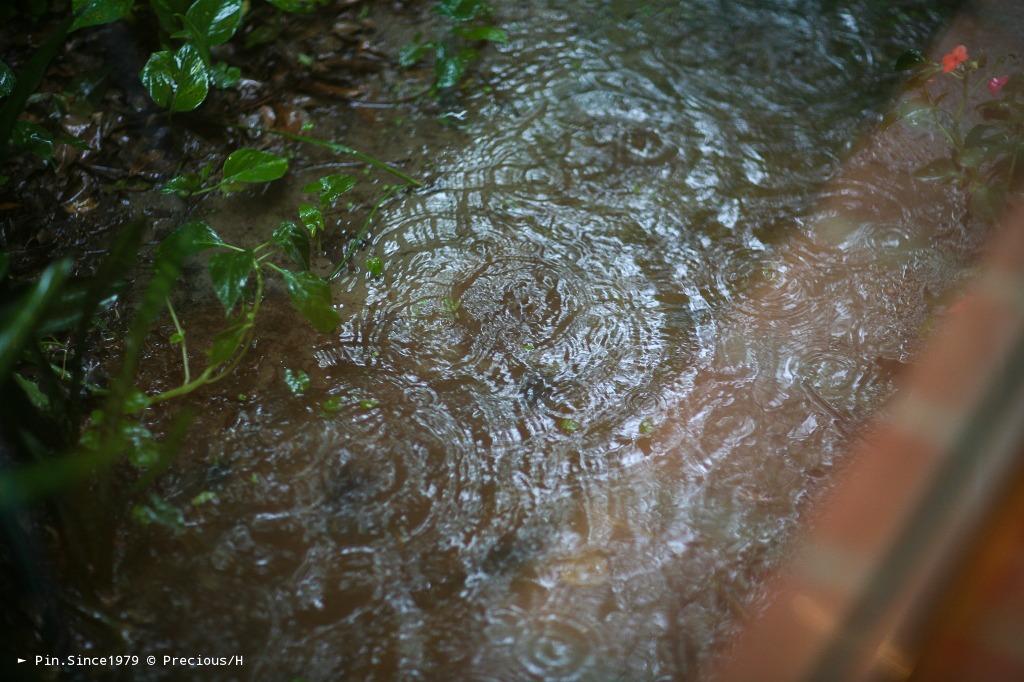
[600,346]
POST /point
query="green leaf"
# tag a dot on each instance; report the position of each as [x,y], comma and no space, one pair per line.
[216,21]
[177,82]
[913,112]
[491,34]
[374,266]
[96,12]
[297,381]
[940,169]
[253,166]
[997,110]
[972,157]
[261,35]
[224,76]
[909,59]
[183,185]
[987,201]
[229,272]
[312,218]
[330,187]
[203,498]
[143,451]
[7,79]
[294,242]
[332,404]
[188,240]
[39,400]
[369,403]
[33,138]
[462,10]
[40,141]
[983,135]
[569,425]
[159,512]
[227,342]
[449,69]
[412,53]
[311,296]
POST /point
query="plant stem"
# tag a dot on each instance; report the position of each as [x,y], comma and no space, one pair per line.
[210,374]
[345,149]
[361,234]
[181,333]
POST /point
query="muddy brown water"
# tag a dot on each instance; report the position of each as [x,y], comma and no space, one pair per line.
[658,227]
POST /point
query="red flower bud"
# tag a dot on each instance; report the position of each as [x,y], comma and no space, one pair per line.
[996,84]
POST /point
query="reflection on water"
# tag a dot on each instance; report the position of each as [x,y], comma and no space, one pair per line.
[590,349]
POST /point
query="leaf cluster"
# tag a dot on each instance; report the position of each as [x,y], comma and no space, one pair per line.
[454,52]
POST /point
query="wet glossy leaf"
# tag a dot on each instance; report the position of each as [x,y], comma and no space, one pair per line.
[294,242]
[449,69]
[33,138]
[182,185]
[296,380]
[412,53]
[229,272]
[96,12]
[909,59]
[177,81]
[7,79]
[462,10]
[312,218]
[253,166]
[311,296]
[915,112]
[369,403]
[940,169]
[188,240]
[491,34]
[330,187]
[215,20]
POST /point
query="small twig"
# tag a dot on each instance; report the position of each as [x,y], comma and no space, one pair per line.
[840,418]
